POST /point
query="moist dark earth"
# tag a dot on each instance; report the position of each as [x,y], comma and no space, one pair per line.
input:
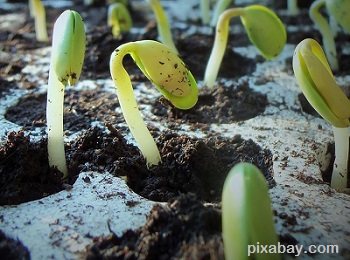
[193,169]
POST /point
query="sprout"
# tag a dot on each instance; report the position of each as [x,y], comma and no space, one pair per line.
[37,11]
[340,12]
[292,7]
[169,75]
[265,30]
[205,11]
[220,6]
[119,18]
[316,81]
[68,50]
[246,213]
[163,25]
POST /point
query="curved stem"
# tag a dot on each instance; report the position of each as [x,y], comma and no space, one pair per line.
[54,118]
[326,32]
[219,47]
[128,105]
[340,167]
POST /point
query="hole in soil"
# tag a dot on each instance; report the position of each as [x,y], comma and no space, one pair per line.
[218,105]
[80,109]
[25,174]
[181,229]
[193,165]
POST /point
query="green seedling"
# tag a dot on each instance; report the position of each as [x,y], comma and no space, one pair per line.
[339,10]
[119,19]
[247,217]
[205,11]
[219,8]
[37,11]
[67,56]
[265,30]
[292,7]
[163,27]
[316,81]
[166,71]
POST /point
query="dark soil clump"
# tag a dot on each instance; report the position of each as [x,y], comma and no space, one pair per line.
[12,249]
[25,174]
[182,229]
[191,165]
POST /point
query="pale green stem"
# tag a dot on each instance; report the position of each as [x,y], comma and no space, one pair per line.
[326,32]
[219,47]
[128,105]
[54,118]
[205,11]
[292,7]
[37,11]
[163,25]
[219,8]
[340,167]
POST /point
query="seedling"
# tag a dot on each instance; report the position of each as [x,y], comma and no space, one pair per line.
[166,71]
[246,213]
[119,19]
[37,11]
[265,30]
[205,11]
[316,81]
[219,8]
[163,27]
[67,56]
[292,7]
[339,10]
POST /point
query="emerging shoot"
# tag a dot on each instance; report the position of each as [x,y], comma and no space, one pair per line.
[247,217]
[265,30]
[68,50]
[292,7]
[219,8]
[163,27]
[37,11]
[119,19]
[339,10]
[316,81]
[205,11]
[169,75]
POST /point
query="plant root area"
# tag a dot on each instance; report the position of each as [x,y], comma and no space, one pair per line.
[189,165]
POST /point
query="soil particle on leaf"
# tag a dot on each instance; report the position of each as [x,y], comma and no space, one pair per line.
[182,229]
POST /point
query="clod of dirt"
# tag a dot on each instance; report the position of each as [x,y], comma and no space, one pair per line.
[12,249]
[25,174]
[192,165]
[182,229]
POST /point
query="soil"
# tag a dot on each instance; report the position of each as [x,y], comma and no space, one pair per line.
[192,171]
